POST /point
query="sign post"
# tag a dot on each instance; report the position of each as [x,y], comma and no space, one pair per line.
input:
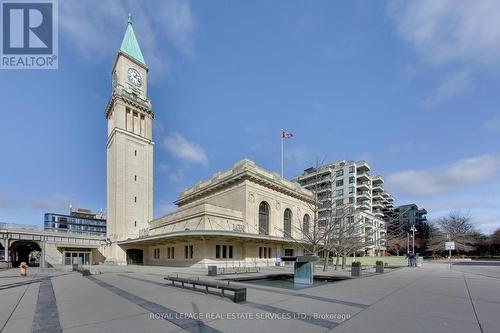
[450,245]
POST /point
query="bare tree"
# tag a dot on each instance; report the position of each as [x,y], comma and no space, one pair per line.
[346,234]
[460,230]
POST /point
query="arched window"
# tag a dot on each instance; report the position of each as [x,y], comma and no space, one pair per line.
[287,223]
[264,218]
[305,224]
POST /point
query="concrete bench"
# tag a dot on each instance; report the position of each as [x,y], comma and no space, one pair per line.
[239,293]
[237,270]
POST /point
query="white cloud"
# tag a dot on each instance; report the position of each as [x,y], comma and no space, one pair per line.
[492,125]
[58,202]
[168,208]
[453,84]
[95,28]
[487,222]
[459,34]
[177,145]
[163,167]
[445,178]
[450,30]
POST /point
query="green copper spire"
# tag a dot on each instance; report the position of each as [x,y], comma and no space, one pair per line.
[129,44]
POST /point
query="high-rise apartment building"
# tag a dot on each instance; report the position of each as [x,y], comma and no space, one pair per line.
[348,186]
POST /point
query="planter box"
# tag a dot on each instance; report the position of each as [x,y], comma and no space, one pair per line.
[379,268]
[212,270]
[355,271]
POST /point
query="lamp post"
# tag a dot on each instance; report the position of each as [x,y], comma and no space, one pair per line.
[407,242]
[413,239]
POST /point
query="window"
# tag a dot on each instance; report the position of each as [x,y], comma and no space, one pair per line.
[351,180]
[288,252]
[264,218]
[135,223]
[340,192]
[191,251]
[136,123]
[143,126]
[305,224]
[128,120]
[227,251]
[186,251]
[264,252]
[351,189]
[351,169]
[287,223]
[156,253]
[135,199]
[340,172]
[135,178]
[339,182]
[168,253]
[339,202]
[351,200]
[135,152]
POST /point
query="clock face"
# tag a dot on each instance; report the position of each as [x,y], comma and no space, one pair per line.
[134,77]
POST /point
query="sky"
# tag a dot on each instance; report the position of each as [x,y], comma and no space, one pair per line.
[411,87]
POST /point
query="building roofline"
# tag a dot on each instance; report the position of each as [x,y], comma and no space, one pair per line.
[243,170]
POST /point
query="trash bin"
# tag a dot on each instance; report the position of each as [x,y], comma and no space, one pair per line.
[212,270]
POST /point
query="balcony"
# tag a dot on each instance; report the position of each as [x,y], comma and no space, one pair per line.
[377,180]
[378,213]
[377,197]
[362,166]
[363,205]
[378,189]
[377,205]
[363,186]
[363,176]
[363,195]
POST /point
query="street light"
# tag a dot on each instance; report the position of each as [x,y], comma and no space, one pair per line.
[413,229]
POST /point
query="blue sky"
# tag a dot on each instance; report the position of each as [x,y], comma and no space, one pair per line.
[412,87]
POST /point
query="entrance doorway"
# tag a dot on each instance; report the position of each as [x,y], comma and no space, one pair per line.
[77,257]
[134,257]
[27,251]
[2,253]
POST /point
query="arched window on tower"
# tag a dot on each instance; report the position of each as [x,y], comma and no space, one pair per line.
[305,224]
[287,223]
[264,218]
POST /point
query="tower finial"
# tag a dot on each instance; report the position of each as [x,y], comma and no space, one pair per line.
[129,18]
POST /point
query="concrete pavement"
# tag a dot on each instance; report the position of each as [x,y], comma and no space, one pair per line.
[137,299]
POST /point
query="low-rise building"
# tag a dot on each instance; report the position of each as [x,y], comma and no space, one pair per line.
[244,216]
[79,220]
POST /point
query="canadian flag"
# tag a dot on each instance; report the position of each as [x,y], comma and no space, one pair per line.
[285,134]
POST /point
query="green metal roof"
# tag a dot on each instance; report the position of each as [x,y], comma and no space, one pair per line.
[129,44]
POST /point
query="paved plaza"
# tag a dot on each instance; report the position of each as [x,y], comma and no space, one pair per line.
[432,298]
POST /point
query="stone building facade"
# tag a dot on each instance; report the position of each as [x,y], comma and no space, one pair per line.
[244,216]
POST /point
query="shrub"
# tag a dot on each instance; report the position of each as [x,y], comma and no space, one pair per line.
[379,263]
[356,264]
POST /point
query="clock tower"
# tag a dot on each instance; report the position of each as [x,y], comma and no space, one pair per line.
[129,149]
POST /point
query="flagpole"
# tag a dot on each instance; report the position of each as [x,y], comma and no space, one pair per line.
[282,151]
